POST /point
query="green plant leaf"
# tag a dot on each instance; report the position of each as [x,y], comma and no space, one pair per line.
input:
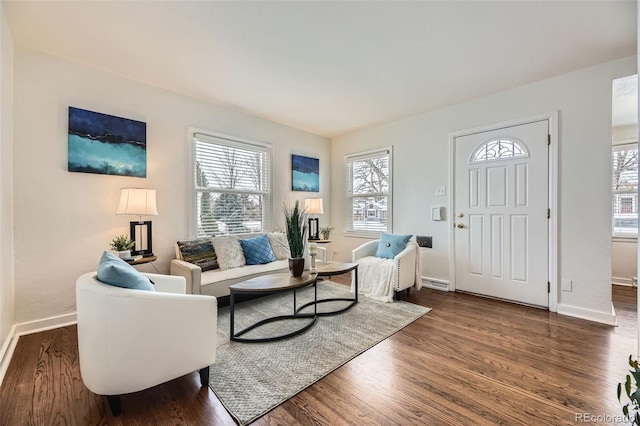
[619,391]
[627,386]
[625,410]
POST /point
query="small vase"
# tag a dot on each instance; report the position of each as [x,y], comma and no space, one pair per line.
[296,266]
[125,254]
[325,236]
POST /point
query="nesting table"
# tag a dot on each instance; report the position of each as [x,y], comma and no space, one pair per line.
[272,283]
[328,270]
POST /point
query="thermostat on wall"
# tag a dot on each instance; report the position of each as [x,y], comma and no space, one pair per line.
[437,213]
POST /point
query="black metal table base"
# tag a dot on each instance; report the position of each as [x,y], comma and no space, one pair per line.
[236,336]
[335,299]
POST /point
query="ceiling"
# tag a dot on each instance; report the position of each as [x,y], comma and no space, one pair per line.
[330,67]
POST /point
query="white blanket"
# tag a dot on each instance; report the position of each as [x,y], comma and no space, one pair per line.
[375,279]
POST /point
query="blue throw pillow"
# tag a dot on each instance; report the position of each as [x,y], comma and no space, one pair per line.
[114,271]
[391,245]
[257,250]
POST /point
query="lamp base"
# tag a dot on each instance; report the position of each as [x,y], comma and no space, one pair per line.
[314,229]
[141,234]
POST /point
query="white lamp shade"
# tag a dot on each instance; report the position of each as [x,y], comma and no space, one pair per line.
[313,205]
[137,201]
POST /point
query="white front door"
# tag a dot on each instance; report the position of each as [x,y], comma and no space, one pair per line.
[501,206]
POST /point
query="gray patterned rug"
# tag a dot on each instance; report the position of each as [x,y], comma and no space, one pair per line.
[250,379]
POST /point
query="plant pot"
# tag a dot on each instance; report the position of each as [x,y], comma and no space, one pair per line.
[325,236]
[125,254]
[296,266]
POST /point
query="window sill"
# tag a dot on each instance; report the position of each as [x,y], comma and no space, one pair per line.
[371,235]
[624,239]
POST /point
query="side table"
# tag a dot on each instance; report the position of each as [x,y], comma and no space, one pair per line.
[143,260]
[328,270]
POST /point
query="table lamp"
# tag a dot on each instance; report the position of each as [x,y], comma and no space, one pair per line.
[139,202]
[313,206]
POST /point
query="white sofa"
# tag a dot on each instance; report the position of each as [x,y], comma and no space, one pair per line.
[130,340]
[405,271]
[216,282]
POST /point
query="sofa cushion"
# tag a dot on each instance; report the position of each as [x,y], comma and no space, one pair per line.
[247,271]
[257,251]
[199,252]
[114,271]
[391,245]
[279,245]
[229,252]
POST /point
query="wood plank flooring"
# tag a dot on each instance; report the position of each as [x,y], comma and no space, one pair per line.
[469,361]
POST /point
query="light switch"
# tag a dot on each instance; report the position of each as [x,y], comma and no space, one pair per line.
[441,191]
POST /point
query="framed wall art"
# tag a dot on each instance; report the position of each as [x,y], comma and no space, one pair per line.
[105,144]
[305,174]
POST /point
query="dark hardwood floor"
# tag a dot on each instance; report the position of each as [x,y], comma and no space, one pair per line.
[469,361]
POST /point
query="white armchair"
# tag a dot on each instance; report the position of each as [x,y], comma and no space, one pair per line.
[130,340]
[400,273]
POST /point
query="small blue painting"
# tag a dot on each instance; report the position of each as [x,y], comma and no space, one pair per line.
[305,174]
[104,144]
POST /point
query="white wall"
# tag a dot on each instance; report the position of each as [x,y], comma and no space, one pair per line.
[583,99]
[63,221]
[6,189]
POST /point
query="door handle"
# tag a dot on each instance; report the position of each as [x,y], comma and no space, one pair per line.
[460,225]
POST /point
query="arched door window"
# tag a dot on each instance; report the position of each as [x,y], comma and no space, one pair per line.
[499,149]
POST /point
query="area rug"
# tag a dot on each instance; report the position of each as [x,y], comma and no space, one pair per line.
[250,379]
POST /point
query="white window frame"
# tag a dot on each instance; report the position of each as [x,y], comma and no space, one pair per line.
[348,214]
[232,141]
[622,146]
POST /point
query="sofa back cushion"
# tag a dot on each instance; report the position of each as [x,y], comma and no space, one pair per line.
[114,271]
[257,250]
[200,252]
[229,252]
[279,245]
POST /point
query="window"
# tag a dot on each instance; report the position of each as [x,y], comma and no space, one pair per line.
[498,149]
[369,192]
[625,190]
[232,185]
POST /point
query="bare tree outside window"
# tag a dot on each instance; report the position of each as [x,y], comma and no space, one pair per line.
[232,185]
[625,190]
[368,184]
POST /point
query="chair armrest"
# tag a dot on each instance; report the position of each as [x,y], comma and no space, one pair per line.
[367,249]
[168,283]
[405,267]
[191,273]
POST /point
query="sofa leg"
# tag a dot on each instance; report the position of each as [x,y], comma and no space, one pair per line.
[408,291]
[116,404]
[204,376]
[396,295]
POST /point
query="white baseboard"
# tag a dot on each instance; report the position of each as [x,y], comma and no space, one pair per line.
[608,318]
[627,282]
[435,283]
[6,351]
[9,345]
[45,324]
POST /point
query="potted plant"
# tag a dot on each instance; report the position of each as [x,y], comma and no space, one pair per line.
[296,230]
[631,410]
[123,245]
[326,232]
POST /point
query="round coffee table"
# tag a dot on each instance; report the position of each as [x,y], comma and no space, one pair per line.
[328,270]
[272,283]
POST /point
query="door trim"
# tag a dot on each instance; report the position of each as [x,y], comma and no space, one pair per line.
[552,261]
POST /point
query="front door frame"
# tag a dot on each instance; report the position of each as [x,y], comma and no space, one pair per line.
[552,117]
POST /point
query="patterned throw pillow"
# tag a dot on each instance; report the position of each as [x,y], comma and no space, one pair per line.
[229,252]
[257,251]
[279,245]
[114,271]
[199,252]
[391,245]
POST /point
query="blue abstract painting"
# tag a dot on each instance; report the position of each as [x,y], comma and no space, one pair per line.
[105,144]
[305,174]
